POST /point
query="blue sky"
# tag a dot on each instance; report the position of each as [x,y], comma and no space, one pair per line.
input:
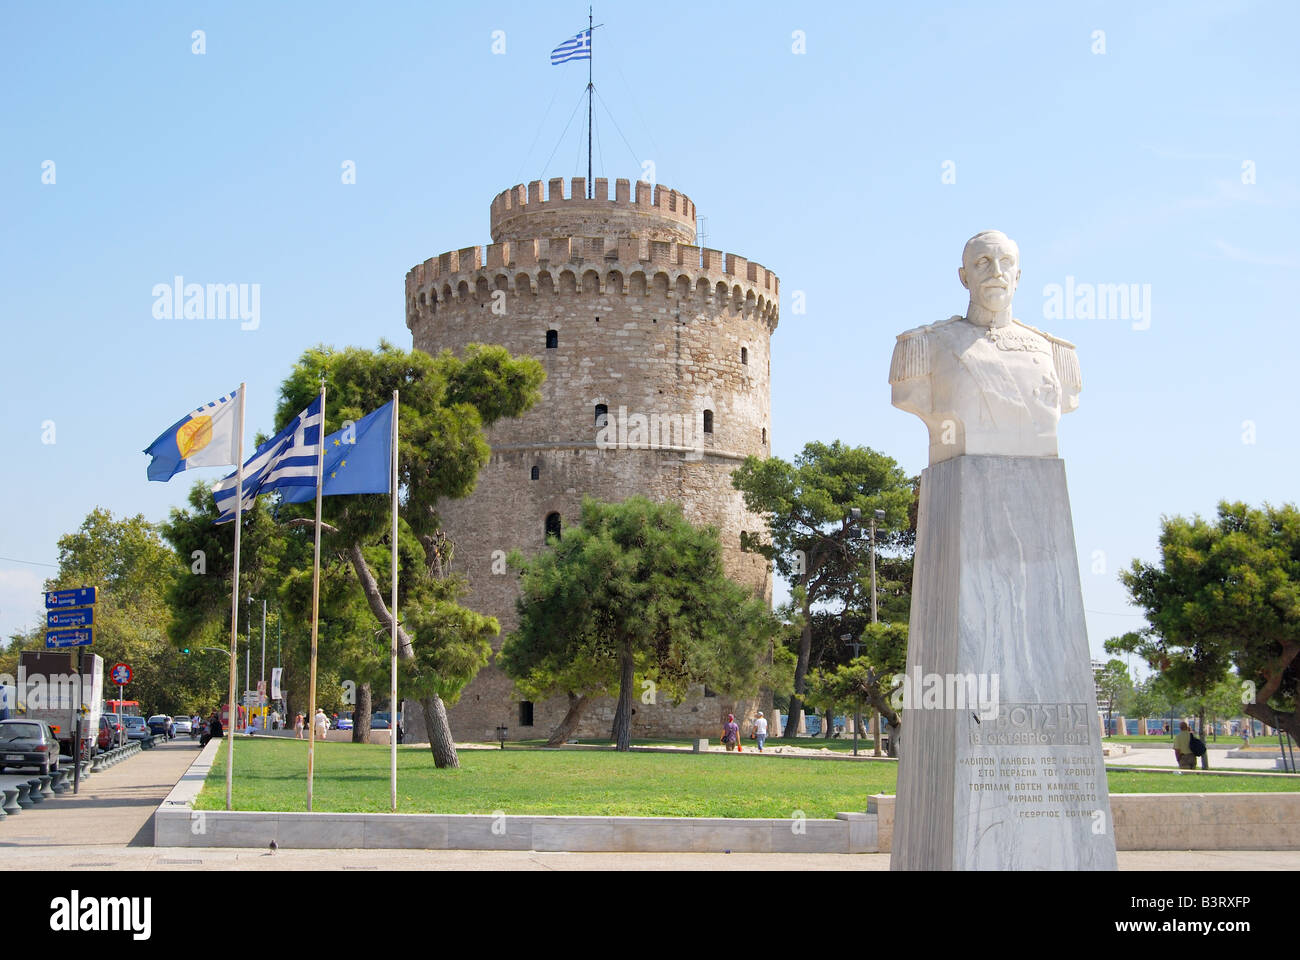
[1166,161]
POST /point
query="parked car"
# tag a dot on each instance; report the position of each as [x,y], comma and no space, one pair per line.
[28,743]
[137,728]
[161,725]
[181,725]
[111,731]
[345,723]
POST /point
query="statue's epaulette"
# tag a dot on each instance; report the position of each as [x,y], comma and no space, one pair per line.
[912,352]
[1064,358]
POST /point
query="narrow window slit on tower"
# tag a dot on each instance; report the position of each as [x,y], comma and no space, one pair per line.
[602,414]
[708,421]
[744,355]
[552,525]
[552,339]
[537,471]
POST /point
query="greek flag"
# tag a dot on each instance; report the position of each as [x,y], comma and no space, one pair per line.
[575,48]
[286,460]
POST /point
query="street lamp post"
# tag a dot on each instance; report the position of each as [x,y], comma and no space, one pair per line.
[857,713]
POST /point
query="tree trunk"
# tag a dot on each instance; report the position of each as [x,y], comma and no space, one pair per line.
[800,672]
[1273,675]
[361,714]
[435,713]
[1200,722]
[570,722]
[440,742]
[828,723]
[622,732]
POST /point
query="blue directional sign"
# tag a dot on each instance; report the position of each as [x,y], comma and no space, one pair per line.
[70,618]
[70,598]
[82,637]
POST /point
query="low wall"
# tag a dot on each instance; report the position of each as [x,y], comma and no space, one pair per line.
[1142,821]
[177,824]
[1175,821]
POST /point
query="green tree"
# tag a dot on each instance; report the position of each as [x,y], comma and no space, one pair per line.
[446,405]
[1226,593]
[868,680]
[133,570]
[812,537]
[1114,685]
[634,589]
[1150,698]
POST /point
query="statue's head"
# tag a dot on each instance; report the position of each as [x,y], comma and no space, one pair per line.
[990,269]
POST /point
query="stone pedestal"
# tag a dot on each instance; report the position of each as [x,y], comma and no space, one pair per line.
[1015,782]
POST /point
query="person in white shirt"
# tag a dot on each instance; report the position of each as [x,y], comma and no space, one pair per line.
[760,730]
[322,724]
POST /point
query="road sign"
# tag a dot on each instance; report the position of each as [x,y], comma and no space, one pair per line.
[120,674]
[82,637]
[70,618]
[80,597]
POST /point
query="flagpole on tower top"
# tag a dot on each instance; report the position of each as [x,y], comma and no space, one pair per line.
[591,36]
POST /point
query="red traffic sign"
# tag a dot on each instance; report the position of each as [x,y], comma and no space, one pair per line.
[120,674]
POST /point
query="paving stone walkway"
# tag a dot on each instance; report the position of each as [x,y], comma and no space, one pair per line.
[114,808]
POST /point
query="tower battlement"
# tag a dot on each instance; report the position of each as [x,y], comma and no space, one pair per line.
[651,212]
[593,265]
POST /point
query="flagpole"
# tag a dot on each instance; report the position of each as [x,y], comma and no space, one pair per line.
[234,599]
[392,685]
[315,599]
[591,36]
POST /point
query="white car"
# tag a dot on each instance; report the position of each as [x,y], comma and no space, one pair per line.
[181,725]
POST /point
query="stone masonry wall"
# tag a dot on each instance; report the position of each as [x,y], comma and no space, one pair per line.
[658,344]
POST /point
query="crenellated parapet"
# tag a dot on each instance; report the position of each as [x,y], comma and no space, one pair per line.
[644,210]
[575,266]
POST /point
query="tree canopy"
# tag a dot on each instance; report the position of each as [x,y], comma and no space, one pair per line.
[1226,592]
[633,589]
[819,547]
[446,404]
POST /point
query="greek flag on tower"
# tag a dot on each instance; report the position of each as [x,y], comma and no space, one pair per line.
[286,460]
[575,48]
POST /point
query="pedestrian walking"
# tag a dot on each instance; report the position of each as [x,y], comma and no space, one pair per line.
[1183,747]
[322,724]
[298,726]
[760,730]
[731,733]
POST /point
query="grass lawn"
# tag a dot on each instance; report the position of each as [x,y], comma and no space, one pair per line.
[804,743]
[271,775]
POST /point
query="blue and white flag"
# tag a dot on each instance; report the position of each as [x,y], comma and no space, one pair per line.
[287,460]
[575,48]
[358,459]
[205,438]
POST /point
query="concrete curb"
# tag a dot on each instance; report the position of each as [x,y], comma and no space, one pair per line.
[178,824]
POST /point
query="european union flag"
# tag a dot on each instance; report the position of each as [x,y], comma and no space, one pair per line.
[357,459]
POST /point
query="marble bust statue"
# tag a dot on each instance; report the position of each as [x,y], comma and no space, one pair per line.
[986,383]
